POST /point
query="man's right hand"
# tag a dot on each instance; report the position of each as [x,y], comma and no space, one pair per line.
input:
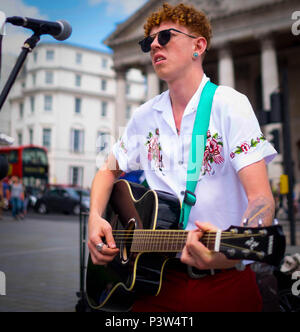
[100,230]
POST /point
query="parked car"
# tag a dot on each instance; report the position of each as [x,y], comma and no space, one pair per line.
[85,196]
[65,200]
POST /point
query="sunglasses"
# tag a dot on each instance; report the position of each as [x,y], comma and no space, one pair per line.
[164,37]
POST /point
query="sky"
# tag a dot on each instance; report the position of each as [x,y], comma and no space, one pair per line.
[92,21]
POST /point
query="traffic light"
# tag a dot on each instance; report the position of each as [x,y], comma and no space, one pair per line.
[276,108]
[275,140]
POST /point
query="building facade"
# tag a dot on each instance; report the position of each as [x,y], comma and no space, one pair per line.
[65,100]
[254,43]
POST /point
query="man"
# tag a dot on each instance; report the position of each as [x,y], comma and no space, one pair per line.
[233,184]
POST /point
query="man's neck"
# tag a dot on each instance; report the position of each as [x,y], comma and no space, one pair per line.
[182,90]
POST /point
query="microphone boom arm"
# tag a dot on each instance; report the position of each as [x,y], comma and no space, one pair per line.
[28,47]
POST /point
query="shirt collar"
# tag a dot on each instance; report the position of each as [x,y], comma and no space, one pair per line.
[163,101]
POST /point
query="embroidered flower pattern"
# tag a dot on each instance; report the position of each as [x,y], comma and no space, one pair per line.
[246,147]
[212,153]
[122,146]
[154,149]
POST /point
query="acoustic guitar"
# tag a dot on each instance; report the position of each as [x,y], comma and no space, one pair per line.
[145,227]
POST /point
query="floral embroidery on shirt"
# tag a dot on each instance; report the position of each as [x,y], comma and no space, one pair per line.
[212,153]
[154,149]
[245,147]
[122,146]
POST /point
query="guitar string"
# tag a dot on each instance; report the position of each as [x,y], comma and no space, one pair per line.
[178,237]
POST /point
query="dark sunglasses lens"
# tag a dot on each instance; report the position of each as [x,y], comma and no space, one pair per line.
[164,37]
[146,44]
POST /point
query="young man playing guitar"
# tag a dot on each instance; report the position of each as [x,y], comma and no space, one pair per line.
[233,183]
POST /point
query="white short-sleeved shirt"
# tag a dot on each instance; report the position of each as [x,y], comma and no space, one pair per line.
[151,143]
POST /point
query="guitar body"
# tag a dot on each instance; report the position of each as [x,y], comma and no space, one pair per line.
[131,206]
[145,228]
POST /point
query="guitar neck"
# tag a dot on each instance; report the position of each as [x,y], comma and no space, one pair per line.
[171,241]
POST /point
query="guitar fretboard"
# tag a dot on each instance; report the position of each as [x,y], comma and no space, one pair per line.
[160,240]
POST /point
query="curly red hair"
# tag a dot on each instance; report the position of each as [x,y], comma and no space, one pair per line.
[195,20]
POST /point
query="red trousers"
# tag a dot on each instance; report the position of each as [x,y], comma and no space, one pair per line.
[228,291]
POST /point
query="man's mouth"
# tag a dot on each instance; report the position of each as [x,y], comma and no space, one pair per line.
[158,59]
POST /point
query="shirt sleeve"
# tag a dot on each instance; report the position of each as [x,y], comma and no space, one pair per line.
[247,144]
[126,150]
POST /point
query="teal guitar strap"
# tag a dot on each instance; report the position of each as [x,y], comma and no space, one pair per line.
[197,148]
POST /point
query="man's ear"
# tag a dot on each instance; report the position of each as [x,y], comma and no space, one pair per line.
[200,45]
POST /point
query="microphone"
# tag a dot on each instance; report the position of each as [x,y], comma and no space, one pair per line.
[60,30]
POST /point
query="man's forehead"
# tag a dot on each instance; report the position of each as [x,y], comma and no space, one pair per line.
[167,25]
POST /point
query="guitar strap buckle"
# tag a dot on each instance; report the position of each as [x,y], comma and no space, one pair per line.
[190,198]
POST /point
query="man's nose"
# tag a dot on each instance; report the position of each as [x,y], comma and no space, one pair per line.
[155,43]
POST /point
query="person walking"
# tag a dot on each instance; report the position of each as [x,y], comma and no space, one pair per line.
[17,197]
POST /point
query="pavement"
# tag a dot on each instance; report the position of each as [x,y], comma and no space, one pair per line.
[40,259]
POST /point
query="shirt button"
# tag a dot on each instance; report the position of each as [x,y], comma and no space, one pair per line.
[180,163]
[182,193]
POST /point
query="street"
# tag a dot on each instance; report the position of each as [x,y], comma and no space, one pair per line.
[40,259]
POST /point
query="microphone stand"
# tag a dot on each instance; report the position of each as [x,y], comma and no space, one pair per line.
[28,47]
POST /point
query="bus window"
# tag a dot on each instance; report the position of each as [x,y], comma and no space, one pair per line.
[13,157]
[34,156]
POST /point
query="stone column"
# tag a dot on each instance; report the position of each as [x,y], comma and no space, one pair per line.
[152,83]
[270,83]
[120,107]
[269,68]
[226,67]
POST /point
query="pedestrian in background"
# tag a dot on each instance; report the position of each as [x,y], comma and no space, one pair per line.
[1,199]
[17,198]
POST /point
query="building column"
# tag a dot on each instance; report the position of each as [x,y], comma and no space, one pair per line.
[226,67]
[270,84]
[270,77]
[120,107]
[152,83]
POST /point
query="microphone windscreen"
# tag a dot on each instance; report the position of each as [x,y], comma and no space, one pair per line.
[66,30]
[3,167]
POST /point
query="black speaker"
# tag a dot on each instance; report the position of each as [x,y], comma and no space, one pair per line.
[3,167]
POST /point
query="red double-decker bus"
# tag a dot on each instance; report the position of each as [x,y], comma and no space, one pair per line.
[30,163]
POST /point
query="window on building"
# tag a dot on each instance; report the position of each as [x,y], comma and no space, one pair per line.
[76,176]
[49,77]
[20,139]
[78,58]
[78,104]
[128,89]
[21,110]
[32,104]
[34,79]
[104,63]
[77,140]
[78,80]
[35,56]
[104,107]
[47,137]
[103,85]
[48,103]
[50,55]
[31,136]
[128,111]
[102,141]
